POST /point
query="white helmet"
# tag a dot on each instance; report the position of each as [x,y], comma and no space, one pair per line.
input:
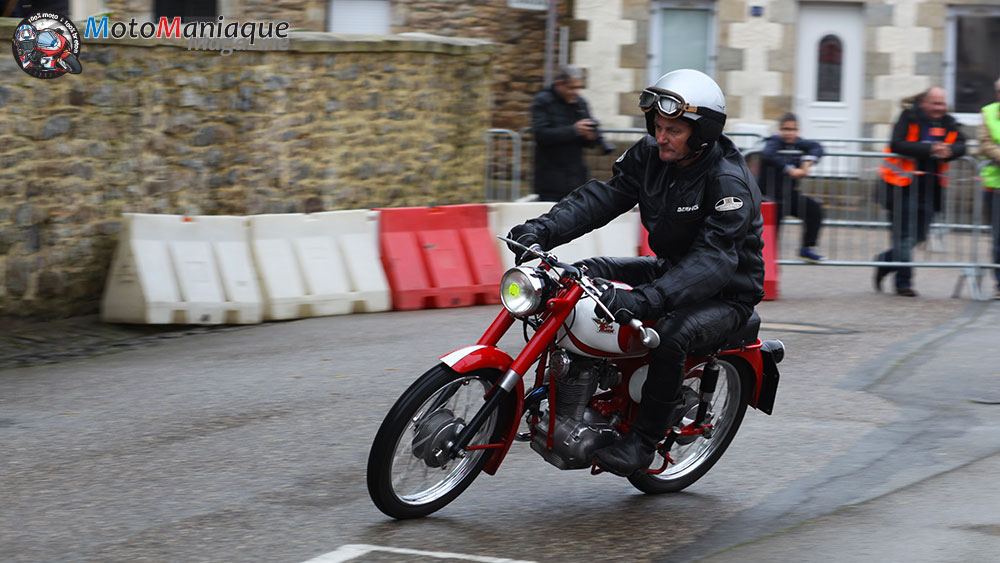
[692,95]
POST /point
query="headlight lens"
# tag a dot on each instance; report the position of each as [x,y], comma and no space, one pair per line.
[521,291]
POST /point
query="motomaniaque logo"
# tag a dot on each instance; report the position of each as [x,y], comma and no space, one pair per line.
[47,46]
[222,36]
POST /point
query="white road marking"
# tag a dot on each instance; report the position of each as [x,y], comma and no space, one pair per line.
[355,550]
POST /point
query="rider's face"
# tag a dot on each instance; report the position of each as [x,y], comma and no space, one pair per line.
[671,137]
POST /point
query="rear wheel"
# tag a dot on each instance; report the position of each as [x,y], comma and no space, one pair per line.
[692,458]
[410,474]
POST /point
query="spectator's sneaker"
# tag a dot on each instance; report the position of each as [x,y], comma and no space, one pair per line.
[808,255]
[906,291]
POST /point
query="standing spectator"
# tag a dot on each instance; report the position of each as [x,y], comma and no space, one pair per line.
[779,180]
[989,147]
[926,137]
[562,127]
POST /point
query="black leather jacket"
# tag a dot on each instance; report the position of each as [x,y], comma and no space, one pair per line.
[559,163]
[703,219]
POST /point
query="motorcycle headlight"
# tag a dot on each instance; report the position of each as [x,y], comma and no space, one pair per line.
[521,291]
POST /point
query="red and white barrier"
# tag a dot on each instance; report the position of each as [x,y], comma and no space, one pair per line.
[439,257]
[172,269]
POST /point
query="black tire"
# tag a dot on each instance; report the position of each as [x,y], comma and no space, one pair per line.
[72,64]
[693,460]
[405,480]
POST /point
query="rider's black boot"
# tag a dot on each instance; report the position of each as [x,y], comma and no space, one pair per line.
[635,451]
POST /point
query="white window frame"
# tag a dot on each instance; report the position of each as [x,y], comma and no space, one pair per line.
[710,6]
[951,56]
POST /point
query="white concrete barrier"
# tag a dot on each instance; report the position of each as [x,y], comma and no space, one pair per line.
[356,236]
[319,264]
[184,270]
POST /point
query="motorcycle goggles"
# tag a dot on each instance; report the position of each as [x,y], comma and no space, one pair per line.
[670,104]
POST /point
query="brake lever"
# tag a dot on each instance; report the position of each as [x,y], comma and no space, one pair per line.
[535,249]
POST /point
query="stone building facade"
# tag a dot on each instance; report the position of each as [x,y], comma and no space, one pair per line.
[759,56]
[518,35]
[152,127]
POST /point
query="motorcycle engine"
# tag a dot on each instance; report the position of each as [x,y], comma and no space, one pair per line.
[579,430]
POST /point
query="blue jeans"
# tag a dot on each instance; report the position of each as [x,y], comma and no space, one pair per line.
[911,219]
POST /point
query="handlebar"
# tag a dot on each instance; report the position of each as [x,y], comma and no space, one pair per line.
[649,337]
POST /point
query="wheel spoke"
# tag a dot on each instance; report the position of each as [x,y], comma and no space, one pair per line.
[416,481]
[687,457]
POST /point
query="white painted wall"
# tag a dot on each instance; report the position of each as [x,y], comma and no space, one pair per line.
[599,54]
[756,37]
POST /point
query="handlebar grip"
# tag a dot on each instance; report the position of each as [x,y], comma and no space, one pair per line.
[650,338]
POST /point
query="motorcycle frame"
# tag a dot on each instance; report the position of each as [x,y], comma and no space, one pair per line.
[486,355]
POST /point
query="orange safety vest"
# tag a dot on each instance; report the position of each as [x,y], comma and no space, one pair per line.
[899,171]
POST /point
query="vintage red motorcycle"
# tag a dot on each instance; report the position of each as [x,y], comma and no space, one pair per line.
[462,416]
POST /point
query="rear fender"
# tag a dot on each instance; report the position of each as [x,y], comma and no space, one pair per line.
[763,369]
[472,358]
[753,361]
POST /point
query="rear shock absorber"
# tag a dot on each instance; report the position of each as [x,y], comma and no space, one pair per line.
[709,378]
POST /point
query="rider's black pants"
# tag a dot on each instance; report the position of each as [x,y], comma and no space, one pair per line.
[700,328]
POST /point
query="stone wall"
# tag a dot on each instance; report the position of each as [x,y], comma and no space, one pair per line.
[151,127]
[518,36]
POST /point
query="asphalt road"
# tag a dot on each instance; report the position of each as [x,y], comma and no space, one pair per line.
[249,444]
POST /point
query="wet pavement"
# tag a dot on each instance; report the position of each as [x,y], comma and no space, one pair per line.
[27,342]
[881,501]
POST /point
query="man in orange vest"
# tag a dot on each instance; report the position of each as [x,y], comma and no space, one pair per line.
[926,138]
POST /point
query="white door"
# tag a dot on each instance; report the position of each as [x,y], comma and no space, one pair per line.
[829,73]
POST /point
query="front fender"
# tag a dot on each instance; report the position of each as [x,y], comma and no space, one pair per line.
[479,356]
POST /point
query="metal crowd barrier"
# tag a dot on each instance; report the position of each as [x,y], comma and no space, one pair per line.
[503,165]
[856,225]
[510,158]
[857,228]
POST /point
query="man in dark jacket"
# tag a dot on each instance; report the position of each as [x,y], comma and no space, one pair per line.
[779,180]
[562,127]
[926,137]
[701,207]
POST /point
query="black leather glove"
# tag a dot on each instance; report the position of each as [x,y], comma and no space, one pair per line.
[626,305]
[525,235]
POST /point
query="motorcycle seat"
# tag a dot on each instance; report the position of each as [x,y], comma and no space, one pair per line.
[745,336]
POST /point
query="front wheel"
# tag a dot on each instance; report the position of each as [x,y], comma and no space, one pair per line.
[71,63]
[693,458]
[410,474]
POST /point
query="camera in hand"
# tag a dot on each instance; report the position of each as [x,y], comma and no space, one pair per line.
[607,147]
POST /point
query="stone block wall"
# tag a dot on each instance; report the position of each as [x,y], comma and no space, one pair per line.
[150,127]
[518,36]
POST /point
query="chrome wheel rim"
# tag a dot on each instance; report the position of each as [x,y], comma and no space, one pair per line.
[724,407]
[414,480]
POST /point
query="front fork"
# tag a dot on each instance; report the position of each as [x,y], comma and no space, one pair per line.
[559,308]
